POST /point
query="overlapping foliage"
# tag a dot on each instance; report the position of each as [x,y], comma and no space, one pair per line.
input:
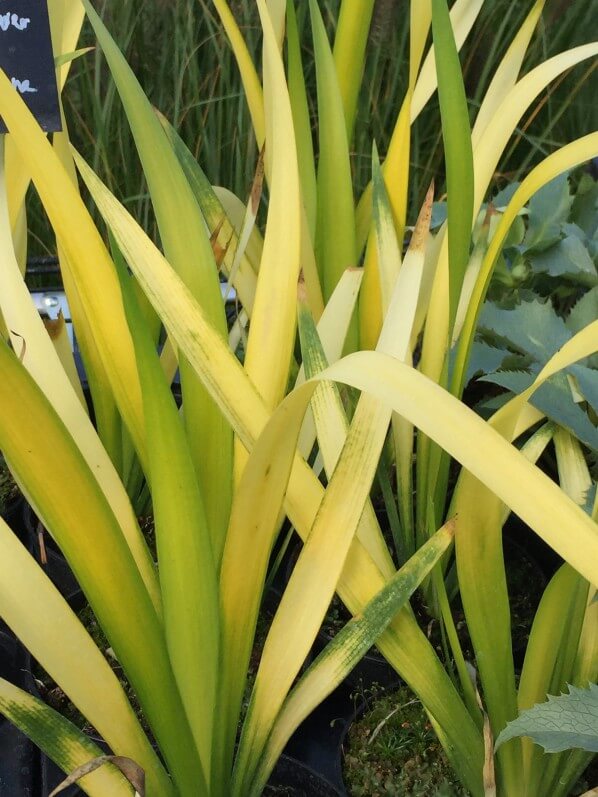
[224,472]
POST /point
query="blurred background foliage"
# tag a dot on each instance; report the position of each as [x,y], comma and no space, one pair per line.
[181,57]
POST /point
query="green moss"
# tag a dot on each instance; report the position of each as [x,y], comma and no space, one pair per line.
[392,751]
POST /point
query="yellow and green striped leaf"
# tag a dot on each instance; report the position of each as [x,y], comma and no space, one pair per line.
[350,644]
[217,219]
[457,150]
[404,643]
[176,210]
[79,517]
[350,42]
[75,663]
[335,232]
[186,559]
[301,121]
[272,332]
[60,740]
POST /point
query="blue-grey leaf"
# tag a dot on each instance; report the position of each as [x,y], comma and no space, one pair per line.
[575,231]
[439,214]
[485,359]
[516,233]
[585,312]
[567,258]
[554,399]
[531,327]
[585,206]
[502,199]
[587,383]
[548,209]
[562,723]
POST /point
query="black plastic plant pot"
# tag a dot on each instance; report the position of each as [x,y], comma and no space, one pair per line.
[291,778]
[50,559]
[317,741]
[19,758]
[13,515]
[309,767]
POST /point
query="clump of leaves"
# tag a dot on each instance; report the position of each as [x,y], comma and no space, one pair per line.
[392,751]
[545,289]
[555,253]
[514,345]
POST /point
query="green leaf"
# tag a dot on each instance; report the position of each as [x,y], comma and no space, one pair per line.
[185,557]
[567,258]
[301,119]
[63,488]
[182,230]
[335,233]
[351,643]
[350,45]
[215,216]
[457,149]
[485,359]
[584,312]
[534,329]
[67,58]
[563,723]
[548,209]
[585,206]
[502,199]
[60,740]
[531,327]
[554,399]
[587,383]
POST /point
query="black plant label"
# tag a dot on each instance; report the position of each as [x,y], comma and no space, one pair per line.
[27,59]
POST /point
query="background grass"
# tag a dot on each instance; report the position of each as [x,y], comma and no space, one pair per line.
[181,57]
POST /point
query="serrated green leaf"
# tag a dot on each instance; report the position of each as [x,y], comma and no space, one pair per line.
[485,359]
[567,258]
[457,148]
[562,723]
[585,206]
[342,654]
[584,312]
[570,228]
[587,383]
[335,231]
[554,398]
[548,209]
[532,327]
[502,199]
[516,234]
